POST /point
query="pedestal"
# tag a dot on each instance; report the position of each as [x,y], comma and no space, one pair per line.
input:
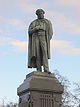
[40,89]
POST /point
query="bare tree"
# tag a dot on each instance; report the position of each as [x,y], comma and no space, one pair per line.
[3,101]
[11,104]
[77,92]
[70,99]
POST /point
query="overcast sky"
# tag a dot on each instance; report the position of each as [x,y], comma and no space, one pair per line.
[15,17]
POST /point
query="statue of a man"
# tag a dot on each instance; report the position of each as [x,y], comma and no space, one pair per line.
[40,33]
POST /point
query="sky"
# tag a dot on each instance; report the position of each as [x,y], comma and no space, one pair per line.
[15,17]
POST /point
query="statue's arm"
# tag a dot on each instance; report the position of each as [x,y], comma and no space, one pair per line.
[32,28]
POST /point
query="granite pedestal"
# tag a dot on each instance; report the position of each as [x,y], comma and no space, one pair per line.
[40,89]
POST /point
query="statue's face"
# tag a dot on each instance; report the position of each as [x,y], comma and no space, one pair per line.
[40,15]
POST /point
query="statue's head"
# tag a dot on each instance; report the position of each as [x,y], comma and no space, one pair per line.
[40,13]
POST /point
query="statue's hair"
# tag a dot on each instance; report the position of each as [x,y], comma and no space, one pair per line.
[39,10]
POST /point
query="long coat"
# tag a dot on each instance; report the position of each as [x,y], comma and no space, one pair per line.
[31,46]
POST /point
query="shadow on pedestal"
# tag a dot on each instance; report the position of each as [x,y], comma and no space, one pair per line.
[40,89]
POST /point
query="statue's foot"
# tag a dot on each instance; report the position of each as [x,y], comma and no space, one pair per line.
[47,71]
[39,70]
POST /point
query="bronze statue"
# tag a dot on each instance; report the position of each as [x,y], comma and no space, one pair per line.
[40,33]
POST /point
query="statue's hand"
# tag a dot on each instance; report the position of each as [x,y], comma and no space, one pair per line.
[34,29]
[37,27]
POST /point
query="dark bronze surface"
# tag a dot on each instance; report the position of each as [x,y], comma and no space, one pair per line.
[40,33]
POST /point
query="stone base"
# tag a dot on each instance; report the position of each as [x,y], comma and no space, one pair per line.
[40,89]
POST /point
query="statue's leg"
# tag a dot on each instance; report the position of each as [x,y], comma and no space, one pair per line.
[44,53]
[38,60]
[38,63]
[39,69]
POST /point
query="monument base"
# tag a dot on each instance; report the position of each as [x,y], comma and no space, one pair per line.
[40,89]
